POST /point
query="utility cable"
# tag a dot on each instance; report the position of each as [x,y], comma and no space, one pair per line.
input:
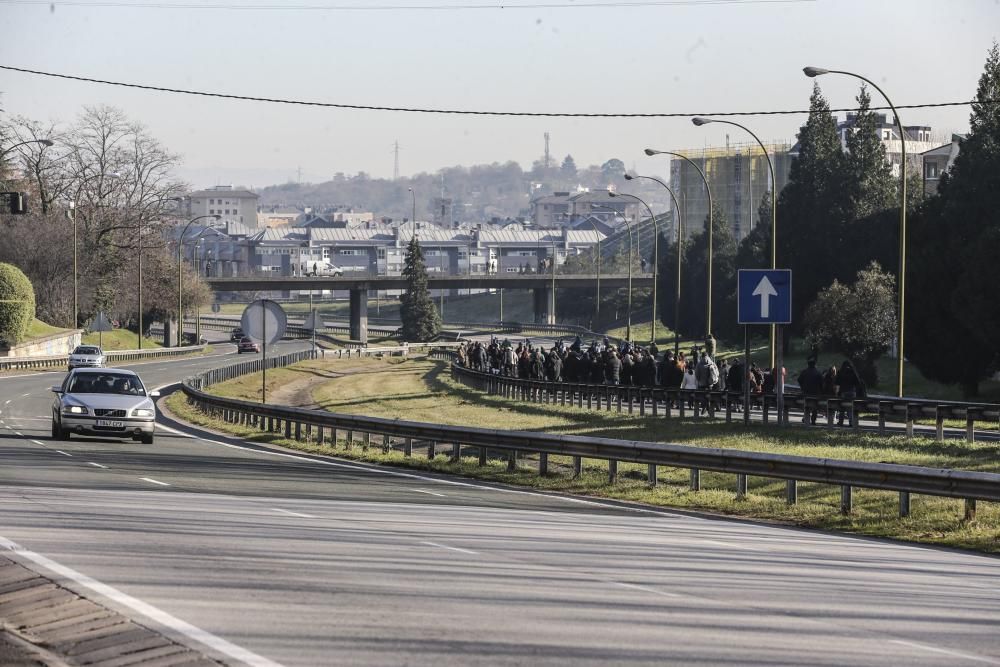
[463,112]
[594,4]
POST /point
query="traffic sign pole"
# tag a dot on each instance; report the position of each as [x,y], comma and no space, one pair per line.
[746,374]
[779,380]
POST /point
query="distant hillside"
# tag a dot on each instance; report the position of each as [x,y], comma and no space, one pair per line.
[478,193]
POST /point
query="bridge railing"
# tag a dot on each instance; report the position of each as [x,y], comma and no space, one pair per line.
[324,428]
[661,400]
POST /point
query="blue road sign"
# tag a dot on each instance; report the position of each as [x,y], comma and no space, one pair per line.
[764,296]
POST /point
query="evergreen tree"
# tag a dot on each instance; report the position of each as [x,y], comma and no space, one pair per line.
[694,279]
[813,209]
[755,249]
[873,187]
[953,327]
[568,169]
[421,320]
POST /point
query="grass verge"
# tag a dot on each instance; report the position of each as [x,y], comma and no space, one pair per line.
[119,339]
[420,390]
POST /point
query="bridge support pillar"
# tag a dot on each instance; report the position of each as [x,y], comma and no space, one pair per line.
[544,312]
[359,315]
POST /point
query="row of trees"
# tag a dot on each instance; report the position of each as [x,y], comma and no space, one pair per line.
[838,230]
[109,178]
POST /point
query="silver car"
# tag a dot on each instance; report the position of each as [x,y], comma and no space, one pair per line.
[103,402]
[86,356]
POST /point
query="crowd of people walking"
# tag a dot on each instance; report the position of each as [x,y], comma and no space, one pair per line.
[644,366]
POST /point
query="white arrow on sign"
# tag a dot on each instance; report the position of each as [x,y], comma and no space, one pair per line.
[765,290]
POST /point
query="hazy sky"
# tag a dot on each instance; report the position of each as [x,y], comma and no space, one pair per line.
[690,57]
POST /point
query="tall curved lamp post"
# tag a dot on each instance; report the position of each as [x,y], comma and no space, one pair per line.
[597,300]
[71,214]
[677,300]
[656,253]
[180,303]
[813,72]
[43,142]
[699,121]
[628,307]
[158,201]
[711,225]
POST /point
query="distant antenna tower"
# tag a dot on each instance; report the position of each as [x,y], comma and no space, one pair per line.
[395,167]
[300,174]
[547,150]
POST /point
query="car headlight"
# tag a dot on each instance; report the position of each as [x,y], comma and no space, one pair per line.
[74,410]
[142,412]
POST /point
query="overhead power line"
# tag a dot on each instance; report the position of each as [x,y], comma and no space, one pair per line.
[462,112]
[594,4]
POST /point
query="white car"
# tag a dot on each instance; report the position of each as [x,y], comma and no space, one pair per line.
[322,269]
[103,402]
[86,356]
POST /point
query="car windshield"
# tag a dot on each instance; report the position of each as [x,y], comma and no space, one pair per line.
[87,349]
[106,383]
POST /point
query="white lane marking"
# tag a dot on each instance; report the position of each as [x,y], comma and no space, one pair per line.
[96,465]
[163,618]
[63,453]
[954,654]
[442,546]
[153,481]
[299,514]
[430,493]
[38,442]
[646,589]
[28,375]
[727,545]
[25,395]
[8,401]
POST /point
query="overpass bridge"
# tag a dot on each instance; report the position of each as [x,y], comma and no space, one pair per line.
[544,287]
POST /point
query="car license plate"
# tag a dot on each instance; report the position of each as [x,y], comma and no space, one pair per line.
[112,424]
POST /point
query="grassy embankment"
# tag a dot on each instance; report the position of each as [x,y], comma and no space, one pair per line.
[421,390]
[119,339]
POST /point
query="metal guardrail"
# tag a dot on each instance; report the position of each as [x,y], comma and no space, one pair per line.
[21,363]
[323,427]
[658,400]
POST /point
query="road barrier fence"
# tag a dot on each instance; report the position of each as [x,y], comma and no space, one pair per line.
[324,427]
[111,356]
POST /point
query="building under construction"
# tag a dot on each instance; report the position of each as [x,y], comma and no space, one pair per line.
[739,178]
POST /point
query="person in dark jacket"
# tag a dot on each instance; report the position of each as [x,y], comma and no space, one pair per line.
[849,384]
[811,384]
[612,368]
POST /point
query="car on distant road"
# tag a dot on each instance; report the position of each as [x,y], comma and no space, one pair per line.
[86,356]
[247,345]
[322,269]
[236,335]
[103,402]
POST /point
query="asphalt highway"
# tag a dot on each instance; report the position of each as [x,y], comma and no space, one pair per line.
[260,556]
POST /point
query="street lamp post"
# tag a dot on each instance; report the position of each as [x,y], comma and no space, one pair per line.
[597,294]
[901,292]
[656,254]
[180,303]
[677,300]
[628,307]
[71,214]
[699,121]
[43,142]
[413,196]
[711,213]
